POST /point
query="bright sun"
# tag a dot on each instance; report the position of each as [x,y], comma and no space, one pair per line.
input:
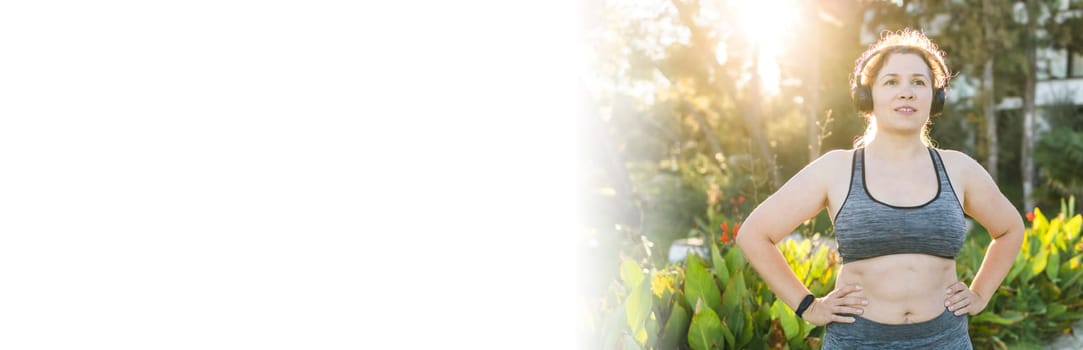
[769,24]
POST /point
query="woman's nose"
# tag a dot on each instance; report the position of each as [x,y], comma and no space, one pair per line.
[907,94]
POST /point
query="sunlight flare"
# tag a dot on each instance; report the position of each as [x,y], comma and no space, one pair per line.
[767,24]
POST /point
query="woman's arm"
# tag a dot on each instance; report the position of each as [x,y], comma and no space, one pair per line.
[985,203]
[801,198]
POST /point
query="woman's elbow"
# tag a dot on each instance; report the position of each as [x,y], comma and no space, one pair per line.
[1013,235]
[745,238]
[1017,233]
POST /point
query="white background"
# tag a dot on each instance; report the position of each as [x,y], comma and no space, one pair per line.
[287,174]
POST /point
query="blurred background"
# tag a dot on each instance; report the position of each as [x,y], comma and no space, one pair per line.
[697,110]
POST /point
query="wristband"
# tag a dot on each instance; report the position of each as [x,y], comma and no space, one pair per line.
[805,303]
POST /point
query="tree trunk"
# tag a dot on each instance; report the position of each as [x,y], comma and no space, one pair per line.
[753,115]
[992,143]
[711,138]
[1029,108]
[814,81]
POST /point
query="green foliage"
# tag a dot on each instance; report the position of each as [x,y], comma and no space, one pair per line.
[1044,286]
[706,331]
[1058,154]
[731,307]
[668,202]
[1059,157]
[681,120]
[720,302]
[700,285]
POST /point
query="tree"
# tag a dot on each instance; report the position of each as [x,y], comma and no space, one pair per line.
[680,117]
[751,108]
[1029,107]
[1049,24]
[995,37]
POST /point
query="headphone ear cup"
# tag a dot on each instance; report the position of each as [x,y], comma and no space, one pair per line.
[862,97]
[938,102]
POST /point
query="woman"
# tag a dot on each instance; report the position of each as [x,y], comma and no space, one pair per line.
[898,207]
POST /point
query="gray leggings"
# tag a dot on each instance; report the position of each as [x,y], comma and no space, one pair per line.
[946,332]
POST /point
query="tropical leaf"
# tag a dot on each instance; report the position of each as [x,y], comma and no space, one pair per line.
[676,329]
[790,326]
[1040,222]
[735,261]
[748,332]
[637,307]
[1072,227]
[1052,267]
[699,284]
[631,273]
[989,317]
[735,293]
[720,268]
[1036,264]
[705,328]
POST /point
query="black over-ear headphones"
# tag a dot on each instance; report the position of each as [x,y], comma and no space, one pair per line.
[862,94]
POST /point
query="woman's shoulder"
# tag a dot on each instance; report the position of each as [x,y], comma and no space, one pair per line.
[831,163]
[837,157]
[819,175]
[963,166]
[959,160]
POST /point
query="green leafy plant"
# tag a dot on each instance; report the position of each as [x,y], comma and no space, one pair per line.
[720,302]
[1042,296]
[1059,156]
[715,302]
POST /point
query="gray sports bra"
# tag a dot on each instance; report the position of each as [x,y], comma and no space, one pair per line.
[867,228]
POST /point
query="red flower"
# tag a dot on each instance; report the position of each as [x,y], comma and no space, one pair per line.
[727,235]
[740,199]
[1030,216]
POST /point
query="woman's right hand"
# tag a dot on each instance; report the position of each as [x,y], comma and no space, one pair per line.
[840,301]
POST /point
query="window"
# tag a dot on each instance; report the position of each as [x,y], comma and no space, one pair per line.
[1075,64]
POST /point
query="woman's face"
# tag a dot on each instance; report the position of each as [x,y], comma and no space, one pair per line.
[902,92]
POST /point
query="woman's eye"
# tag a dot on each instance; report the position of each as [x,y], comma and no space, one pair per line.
[919,82]
[890,82]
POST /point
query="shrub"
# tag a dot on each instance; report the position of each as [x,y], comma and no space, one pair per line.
[1042,296]
[715,303]
[720,302]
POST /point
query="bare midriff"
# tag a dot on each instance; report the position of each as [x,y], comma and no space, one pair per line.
[901,288]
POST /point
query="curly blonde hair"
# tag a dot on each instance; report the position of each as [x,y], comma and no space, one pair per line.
[903,41]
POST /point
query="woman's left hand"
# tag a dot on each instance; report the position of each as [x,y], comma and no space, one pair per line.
[961,300]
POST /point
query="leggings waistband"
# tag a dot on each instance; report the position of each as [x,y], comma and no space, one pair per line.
[946,322]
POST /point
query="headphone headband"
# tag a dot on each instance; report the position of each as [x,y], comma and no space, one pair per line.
[862,94]
[859,69]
